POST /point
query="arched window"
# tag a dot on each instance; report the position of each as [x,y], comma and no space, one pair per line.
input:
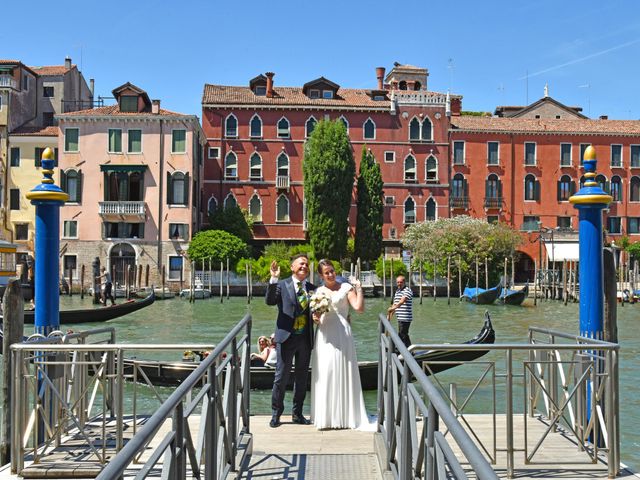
[283,128]
[410,169]
[136,193]
[369,130]
[414,129]
[231,166]
[309,126]
[531,188]
[492,192]
[601,180]
[566,188]
[283,165]
[212,205]
[634,189]
[432,169]
[255,126]
[431,209]
[178,188]
[231,126]
[402,85]
[345,123]
[427,130]
[255,208]
[230,201]
[71,183]
[616,188]
[282,209]
[417,86]
[409,211]
[255,166]
[458,186]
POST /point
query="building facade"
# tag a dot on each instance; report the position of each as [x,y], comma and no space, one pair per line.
[132,171]
[256,136]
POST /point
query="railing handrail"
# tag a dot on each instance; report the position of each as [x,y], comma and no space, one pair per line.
[113,347]
[469,449]
[123,459]
[514,346]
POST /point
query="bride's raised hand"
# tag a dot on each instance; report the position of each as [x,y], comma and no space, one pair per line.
[355,282]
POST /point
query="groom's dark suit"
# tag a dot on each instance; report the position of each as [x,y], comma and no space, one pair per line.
[291,343]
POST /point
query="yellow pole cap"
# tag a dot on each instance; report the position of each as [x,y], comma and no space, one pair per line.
[590,153]
[47,154]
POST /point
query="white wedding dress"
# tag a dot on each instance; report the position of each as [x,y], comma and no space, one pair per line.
[336,392]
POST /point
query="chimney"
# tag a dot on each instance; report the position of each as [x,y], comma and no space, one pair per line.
[380,77]
[155,107]
[604,117]
[92,86]
[270,76]
[67,62]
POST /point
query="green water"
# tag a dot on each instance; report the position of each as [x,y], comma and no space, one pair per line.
[208,321]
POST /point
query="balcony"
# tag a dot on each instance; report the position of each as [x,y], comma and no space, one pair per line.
[108,210]
[459,202]
[8,81]
[282,182]
[492,202]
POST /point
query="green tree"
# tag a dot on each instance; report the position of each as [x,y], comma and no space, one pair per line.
[329,170]
[399,268]
[234,220]
[217,244]
[464,240]
[634,250]
[368,241]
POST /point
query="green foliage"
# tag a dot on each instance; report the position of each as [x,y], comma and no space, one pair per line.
[351,250]
[471,113]
[329,170]
[368,241]
[399,268]
[217,244]
[465,240]
[278,251]
[234,220]
[634,250]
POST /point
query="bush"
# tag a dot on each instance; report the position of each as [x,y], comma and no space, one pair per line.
[234,220]
[217,244]
[399,268]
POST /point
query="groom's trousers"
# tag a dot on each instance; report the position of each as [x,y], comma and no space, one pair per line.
[295,347]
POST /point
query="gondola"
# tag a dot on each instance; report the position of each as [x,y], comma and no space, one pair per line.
[514,297]
[100,314]
[480,296]
[171,374]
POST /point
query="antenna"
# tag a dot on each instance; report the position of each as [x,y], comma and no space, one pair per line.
[450,67]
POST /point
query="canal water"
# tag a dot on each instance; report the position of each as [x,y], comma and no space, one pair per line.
[208,321]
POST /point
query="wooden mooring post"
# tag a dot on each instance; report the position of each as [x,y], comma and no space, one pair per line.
[448,280]
[459,279]
[146,277]
[435,292]
[70,283]
[421,281]
[221,280]
[82,281]
[227,278]
[384,276]
[535,282]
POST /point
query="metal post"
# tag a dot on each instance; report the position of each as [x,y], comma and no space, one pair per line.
[227,278]
[509,412]
[384,276]
[47,198]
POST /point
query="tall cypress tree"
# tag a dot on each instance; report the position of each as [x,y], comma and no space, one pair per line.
[329,170]
[368,242]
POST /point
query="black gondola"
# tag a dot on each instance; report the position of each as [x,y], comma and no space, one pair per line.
[101,314]
[171,374]
[480,296]
[514,297]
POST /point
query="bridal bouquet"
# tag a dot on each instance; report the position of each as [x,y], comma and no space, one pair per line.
[319,302]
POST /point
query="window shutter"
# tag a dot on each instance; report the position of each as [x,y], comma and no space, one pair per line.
[186,190]
[169,190]
[79,187]
[607,186]
[63,181]
[38,156]
[559,190]
[536,191]
[466,188]
[486,189]
[55,157]
[572,187]
[499,189]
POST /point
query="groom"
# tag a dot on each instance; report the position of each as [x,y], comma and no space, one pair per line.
[293,336]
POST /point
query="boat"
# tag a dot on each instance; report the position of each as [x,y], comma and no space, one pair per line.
[481,296]
[198,293]
[514,297]
[171,374]
[100,314]
[160,293]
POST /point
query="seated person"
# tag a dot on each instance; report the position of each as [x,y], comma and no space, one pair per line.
[264,348]
[272,358]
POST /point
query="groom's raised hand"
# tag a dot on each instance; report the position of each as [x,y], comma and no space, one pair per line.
[275,269]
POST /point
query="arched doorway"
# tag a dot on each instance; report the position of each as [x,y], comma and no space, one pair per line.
[524,268]
[122,255]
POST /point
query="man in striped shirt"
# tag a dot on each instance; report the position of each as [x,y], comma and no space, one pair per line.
[403,308]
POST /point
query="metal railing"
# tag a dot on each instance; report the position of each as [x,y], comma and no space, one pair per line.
[411,454]
[7,81]
[570,387]
[459,202]
[122,208]
[492,202]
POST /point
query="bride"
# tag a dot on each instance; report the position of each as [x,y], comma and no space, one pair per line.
[336,392]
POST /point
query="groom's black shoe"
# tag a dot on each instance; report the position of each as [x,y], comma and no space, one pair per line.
[300,420]
[275,422]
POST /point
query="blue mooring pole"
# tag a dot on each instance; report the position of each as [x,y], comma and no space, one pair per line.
[590,201]
[48,198]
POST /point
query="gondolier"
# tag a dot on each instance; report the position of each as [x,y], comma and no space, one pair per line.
[403,308]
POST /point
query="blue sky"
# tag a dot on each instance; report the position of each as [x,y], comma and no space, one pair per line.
[491,52]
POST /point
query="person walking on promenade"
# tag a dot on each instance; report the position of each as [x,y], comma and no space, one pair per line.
[403,308]
[293,336]
[107,286]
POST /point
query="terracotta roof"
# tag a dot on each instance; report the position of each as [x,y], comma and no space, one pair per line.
[288,96]
[115,111]
[545,126]
[49,70]
[51,131]
[16,62]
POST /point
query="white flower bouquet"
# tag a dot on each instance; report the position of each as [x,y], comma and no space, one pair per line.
[319,302]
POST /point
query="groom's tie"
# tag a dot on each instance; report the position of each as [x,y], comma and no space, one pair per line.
[302,296]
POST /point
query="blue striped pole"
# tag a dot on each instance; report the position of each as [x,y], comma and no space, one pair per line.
[48,198]
[590,201]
